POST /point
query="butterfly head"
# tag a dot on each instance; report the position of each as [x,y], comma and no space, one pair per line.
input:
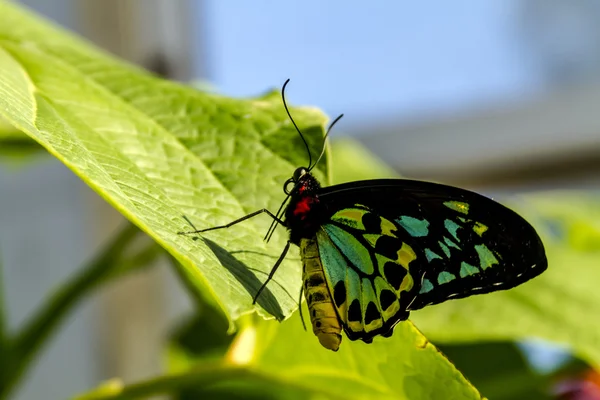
[299,173]
[301,183]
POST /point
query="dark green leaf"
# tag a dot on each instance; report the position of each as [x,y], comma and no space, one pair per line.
[499,371]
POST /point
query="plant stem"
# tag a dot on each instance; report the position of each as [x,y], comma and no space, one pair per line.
[27,343]
[203,375]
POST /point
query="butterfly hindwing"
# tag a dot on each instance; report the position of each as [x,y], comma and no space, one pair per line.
[391,246]
[368,270]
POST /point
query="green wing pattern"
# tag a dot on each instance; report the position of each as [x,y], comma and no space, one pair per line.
[368,270]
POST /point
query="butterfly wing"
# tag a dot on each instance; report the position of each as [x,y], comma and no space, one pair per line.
[391,246]
[370,286]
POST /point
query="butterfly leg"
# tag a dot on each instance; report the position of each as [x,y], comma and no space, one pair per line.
[237,221]
[279,260]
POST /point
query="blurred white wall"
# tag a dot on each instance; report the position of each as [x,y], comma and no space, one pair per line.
[43,241]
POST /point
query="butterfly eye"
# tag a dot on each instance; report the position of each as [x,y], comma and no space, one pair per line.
[299,172]
[286,186]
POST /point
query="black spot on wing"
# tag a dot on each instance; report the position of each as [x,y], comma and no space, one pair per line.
[354,313]
[394,274]
[372,313]
[372,222]
[386,298]
[339,293]
[388,246]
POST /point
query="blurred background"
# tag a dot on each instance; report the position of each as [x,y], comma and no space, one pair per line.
[498,96]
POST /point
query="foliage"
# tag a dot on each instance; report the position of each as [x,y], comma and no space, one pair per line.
[158,150]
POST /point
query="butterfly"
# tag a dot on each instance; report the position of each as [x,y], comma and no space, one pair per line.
[375,250]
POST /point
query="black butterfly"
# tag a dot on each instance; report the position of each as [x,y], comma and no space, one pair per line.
[372,251]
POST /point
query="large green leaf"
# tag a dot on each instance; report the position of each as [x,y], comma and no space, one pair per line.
[404,366]
[280,361]
[158,150]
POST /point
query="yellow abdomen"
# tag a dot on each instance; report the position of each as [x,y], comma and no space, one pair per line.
[325,322]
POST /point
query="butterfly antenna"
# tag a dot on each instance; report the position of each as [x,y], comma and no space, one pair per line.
[293,122]
[274,223]
[325,140]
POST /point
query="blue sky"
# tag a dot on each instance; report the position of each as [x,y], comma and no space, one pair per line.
[369,60]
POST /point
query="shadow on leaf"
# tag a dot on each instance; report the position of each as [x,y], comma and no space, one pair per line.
[247,279]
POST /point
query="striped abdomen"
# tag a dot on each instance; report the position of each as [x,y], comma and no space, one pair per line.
[325,322]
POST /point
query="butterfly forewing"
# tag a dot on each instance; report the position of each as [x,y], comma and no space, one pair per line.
[391,246]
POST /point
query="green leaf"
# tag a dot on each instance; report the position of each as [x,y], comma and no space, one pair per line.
[499,371]
[352,162]
[157,150]
[403,366]
[572,216]
[8,132]
[280,360]
[204,335]
[15,146]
